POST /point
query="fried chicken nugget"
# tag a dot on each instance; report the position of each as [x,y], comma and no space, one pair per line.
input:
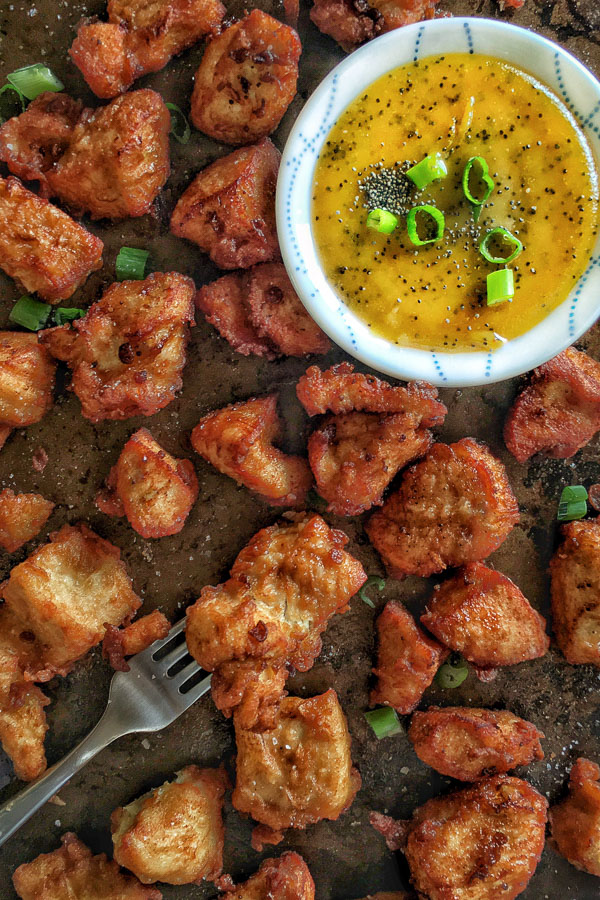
[223,303]
[246,80]
[150,487]
[41,247]
[299,773]
[483,615]
[407,660]
[469,744]
[26,379]
[127,354]
[559,411]
[238,441]
[140,37]
[286,878]
[72,871]
[575,822]
[453,507]
[121,642]
[22,516]
[352,22]
[229,208]
[575,579]
[174,833]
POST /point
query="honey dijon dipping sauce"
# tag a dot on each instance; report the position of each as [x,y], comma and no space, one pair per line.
[545,193]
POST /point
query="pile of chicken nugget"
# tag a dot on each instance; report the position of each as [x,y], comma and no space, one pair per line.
[450,505]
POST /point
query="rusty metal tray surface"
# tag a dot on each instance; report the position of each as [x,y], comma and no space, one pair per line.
[347,858]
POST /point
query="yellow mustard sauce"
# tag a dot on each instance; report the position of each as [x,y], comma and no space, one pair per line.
[546,194]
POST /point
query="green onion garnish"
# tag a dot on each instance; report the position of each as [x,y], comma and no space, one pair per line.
[432,168]
[500,286]
[572,504]
[382,220]
[180,127]
[30,313]
[372,581]
[484,177]
[8,109]
[451,675]
[31,81]
[503,235]
[384,721]
[131,263]
[411,224]
[64,315]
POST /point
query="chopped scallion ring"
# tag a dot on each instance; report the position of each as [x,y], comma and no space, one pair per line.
[31,81]
[484,177]
[180,127]
[572,504]
[432,168]
[372,581]
[451,675]
[30,313]
[131,263]
[64,315]
[504,236]
[500,286]
[6,110]
[411,224]
[382,220]
[384,721]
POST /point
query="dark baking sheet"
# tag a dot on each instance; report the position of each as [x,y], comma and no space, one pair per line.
[347,858]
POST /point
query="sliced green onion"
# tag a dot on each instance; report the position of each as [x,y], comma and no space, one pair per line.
[572,504]
[452,674]
[500,286]
[432,168]
[372,581]
[30,313]
[64,315]
[384,721]
[131,263]
[503,235]
[484,176]
[31,81]
[411,224]
[180,127]
[7,111]
[382,220]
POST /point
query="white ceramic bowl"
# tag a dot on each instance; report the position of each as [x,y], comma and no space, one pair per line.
[567,77]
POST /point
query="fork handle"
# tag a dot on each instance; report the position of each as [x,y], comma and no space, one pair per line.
[19,809]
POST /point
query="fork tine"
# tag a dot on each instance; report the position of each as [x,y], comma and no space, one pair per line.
[197,691]
[181,677]
[162,642]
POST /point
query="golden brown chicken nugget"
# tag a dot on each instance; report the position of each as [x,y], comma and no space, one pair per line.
[22,516]
[127,354]
[453,507]
[229,208]
[407,660]
[223,302]
[246,79]
[352,22]
[238,441]
[41,247]
[299,773]
[575,578]
[121,642]
[154,490]
[575,822]
[469,744]
[174,833]
[286,878]
[559,411]
[26,379]
[72,871]
[139,37]
[483,615]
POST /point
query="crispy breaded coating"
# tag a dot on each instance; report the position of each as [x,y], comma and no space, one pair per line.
[469,744]
[453,507]
[5,432]
[26,379]
[229,208]
[407,660]
[353,23]
[127,354]
[575,579]
[174,833]
[238,441]
[246,79]
[483,615]
[121,642]
[299,773]
[224,305]
[22,516]
[575,822]
[72,872]
[285,585]
[286,878]
[41,247]
[140,37]
[559,411]
[152,489]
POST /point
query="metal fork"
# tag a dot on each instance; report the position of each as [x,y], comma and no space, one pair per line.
[160,685]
